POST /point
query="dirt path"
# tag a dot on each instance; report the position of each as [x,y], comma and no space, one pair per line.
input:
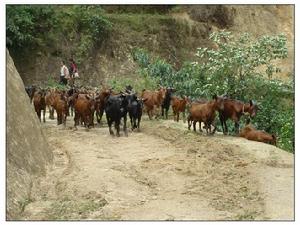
[162,173]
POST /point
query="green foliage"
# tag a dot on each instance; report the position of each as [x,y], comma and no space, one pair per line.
[141,57]
[66,208]
[55,84]
[236,59]
[90,19]
[276,113]
[147,82]
[27,24]
[79,27]
[161,70]
[186,81]
[83,27]
[233,69]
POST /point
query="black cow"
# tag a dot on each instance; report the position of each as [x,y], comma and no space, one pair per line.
[30,90]
[135,110]
[115,109]
[166,102]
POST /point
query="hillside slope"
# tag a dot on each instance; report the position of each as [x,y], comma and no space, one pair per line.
[173,35]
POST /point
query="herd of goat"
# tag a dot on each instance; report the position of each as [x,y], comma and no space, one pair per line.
[85,103]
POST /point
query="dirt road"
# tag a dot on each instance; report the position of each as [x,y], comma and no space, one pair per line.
[162,173]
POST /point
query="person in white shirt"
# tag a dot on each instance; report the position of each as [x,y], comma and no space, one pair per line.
[64,74]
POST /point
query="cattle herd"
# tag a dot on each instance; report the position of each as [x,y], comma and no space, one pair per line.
[88,103]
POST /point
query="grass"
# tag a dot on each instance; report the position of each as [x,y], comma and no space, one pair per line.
[140,22]
[177,9]
[70,209]
[23,203]
[248,215]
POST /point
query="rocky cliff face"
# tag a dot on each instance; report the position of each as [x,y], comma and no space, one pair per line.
[27,150]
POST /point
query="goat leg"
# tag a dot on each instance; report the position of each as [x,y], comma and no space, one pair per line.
[44,114]
[138,124]
[109,122]
[194,125]
[124,126]
[117,126]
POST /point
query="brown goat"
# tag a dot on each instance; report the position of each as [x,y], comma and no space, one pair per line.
[60,104]
[100,103]
[178,106]
[205,113]
[39,103]
[234,109]
[50,98]
[250,133]
[198,101]
[154,100]
[84,106]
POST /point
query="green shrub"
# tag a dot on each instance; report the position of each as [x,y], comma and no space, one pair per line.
[141,57]
[55,84]
[162,71]
[147,82]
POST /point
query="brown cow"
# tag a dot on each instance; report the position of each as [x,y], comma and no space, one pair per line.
[154,100]
[179,105]
[205,113]
[250,133]
[234,109]
[39,103]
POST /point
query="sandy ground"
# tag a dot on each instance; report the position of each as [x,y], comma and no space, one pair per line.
[164,172]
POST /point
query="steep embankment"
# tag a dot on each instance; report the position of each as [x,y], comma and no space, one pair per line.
[28,152]
[172,35]
[165,172]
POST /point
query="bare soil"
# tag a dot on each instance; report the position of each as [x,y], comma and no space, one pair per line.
[164,172]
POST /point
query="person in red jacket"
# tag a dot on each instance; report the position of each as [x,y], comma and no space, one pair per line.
[73,71]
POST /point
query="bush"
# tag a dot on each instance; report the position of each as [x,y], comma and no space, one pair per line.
[162,71]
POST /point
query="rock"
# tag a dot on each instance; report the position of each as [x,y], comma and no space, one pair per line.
[28,152]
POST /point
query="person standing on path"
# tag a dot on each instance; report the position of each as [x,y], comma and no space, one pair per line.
[73,71]
[64,73]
